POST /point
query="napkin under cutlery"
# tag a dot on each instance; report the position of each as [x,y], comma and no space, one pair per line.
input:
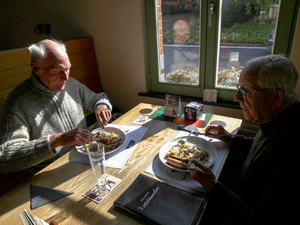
[190,128]
[41,195]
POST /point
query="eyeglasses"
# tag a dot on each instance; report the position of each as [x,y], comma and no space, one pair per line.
[244,93]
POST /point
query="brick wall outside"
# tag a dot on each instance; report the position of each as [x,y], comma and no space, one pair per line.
[161,46]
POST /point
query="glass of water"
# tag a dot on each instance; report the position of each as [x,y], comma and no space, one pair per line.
[96,152]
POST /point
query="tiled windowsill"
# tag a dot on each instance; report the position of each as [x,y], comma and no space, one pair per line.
[220,103]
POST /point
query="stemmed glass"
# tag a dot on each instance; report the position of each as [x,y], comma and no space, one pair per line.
[96,153]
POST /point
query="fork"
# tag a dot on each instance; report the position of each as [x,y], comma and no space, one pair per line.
[189,135]
[103,134]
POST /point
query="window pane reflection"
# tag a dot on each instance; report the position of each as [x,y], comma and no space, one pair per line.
[246,33]
[179,53]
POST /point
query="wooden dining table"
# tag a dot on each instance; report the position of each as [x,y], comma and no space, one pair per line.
[63,174]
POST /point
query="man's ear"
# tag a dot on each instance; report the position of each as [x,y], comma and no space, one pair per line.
[278,98]
[35,67]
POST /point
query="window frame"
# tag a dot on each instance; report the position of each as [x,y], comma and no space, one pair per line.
[288,13]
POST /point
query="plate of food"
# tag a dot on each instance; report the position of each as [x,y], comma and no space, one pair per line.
[177,152]
[113,139]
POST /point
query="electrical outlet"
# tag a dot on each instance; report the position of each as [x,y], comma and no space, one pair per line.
[43,29]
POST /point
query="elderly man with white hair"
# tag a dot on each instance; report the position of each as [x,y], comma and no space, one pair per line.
[44,115]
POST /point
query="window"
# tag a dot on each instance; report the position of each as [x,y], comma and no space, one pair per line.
[196,45]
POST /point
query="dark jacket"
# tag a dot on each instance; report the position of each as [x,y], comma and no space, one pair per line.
[270,178]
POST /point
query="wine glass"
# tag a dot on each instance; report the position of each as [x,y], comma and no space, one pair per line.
[96,153]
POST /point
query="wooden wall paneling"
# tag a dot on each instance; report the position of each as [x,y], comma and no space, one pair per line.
[82,59]
[79,45]
[13,59]
[12,78]
[88,75]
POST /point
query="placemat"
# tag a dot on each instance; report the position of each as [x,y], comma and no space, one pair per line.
[158,169]
[119,158]
[201,122]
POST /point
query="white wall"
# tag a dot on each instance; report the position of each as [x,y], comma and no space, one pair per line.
[115,25]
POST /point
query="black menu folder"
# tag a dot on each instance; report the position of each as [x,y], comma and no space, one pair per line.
[160,203]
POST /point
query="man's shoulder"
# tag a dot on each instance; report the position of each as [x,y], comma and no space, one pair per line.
[72,84]
[19,91]
[292,115]
[72,80]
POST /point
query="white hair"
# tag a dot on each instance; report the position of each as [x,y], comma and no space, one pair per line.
[39,50]
[275,72]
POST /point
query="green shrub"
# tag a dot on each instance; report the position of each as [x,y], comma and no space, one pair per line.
[232,14]
[254,32]
[194,33]
[251,32]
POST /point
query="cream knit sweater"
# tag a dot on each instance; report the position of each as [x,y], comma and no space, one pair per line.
[33,113]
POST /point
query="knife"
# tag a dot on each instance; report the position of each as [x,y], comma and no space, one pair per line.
[190,128]
[92,127]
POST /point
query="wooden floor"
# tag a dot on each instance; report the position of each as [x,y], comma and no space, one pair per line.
[12,180]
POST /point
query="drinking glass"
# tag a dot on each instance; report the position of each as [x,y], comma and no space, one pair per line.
[96,153]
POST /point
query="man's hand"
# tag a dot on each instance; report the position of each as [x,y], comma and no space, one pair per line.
[76,137]
[203,174]
[103,115]
[220,133]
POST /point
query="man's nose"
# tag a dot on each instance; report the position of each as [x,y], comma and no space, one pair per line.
[65,74]
[238,97]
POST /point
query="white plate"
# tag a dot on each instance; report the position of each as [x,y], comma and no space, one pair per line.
[199,142]
[117,131]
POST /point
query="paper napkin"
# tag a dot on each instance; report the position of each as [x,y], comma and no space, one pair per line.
[41,195]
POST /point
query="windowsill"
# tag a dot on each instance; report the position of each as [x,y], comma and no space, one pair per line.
[184,98]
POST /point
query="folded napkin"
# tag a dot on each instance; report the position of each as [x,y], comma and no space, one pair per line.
[159,115]
[200,122]
[41,195]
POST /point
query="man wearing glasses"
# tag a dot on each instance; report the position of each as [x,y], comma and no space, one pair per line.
[267,190]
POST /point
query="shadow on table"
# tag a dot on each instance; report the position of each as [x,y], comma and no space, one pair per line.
[67,171]
[156,126]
